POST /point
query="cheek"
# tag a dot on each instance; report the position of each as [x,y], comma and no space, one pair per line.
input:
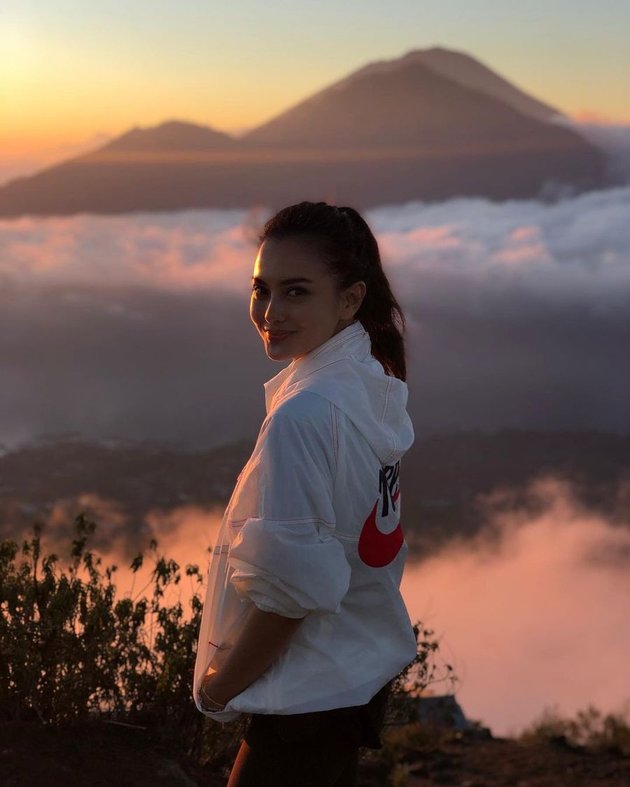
[255,310]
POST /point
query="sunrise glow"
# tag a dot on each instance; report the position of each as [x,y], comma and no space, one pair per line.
[71,75]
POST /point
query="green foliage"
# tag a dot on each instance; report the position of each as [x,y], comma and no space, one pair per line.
[590,728]
[70,649]
[423,671]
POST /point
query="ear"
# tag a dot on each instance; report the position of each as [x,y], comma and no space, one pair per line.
[353,298]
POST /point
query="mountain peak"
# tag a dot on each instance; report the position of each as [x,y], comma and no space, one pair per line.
[422,100]
[463,69]
[171,135]
[470,72]
[433,50]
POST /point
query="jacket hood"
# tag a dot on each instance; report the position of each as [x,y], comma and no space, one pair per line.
[344,371]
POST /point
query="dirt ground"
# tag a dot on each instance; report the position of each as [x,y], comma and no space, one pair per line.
[101,755]
[500,761]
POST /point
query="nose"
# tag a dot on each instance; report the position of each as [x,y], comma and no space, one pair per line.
[274,312]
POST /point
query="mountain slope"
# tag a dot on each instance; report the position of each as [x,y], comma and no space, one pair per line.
[467,71]
[470,72]
[411,105]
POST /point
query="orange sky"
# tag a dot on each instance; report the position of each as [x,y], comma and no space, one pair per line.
[72,75]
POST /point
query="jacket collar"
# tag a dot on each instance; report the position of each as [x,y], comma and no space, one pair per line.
[351,342]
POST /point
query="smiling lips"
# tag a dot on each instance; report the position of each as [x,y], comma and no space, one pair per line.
[277,337]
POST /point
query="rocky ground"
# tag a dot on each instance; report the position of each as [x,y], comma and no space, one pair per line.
[101,754]
[499,762]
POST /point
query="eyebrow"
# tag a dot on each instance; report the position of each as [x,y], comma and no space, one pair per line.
[295,280]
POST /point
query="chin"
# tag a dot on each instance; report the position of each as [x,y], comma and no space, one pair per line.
[278,355]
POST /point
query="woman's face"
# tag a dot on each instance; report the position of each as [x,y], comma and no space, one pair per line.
[295,304]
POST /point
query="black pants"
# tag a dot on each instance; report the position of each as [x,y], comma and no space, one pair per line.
[318,749]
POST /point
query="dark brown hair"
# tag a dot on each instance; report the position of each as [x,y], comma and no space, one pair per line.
[350,251]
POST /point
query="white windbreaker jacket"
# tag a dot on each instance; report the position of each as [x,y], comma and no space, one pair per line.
[313,529]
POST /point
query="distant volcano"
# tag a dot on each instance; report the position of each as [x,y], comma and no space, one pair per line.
[428,126]
[465,70]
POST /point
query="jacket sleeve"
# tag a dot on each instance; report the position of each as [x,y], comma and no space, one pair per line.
[287,560]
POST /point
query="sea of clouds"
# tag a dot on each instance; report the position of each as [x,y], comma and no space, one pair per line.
[137,326]
[532,613]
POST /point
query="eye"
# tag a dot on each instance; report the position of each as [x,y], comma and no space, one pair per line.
[297,290]
[258,290]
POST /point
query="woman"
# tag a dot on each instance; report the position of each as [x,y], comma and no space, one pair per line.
[303,624]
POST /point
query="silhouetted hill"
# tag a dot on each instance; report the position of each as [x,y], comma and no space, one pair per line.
[428,126]
[173,135]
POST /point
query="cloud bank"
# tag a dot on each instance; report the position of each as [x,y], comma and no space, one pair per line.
[137,326]
[530,613]
[614,140]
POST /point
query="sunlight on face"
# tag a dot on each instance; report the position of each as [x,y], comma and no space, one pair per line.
[295,303]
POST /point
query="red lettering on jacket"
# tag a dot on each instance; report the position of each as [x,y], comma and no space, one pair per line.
[378,549]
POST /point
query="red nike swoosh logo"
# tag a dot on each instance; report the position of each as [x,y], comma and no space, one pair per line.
[378,549]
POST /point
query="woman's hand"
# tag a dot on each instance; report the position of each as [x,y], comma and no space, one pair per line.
[213,697]
[264,637]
